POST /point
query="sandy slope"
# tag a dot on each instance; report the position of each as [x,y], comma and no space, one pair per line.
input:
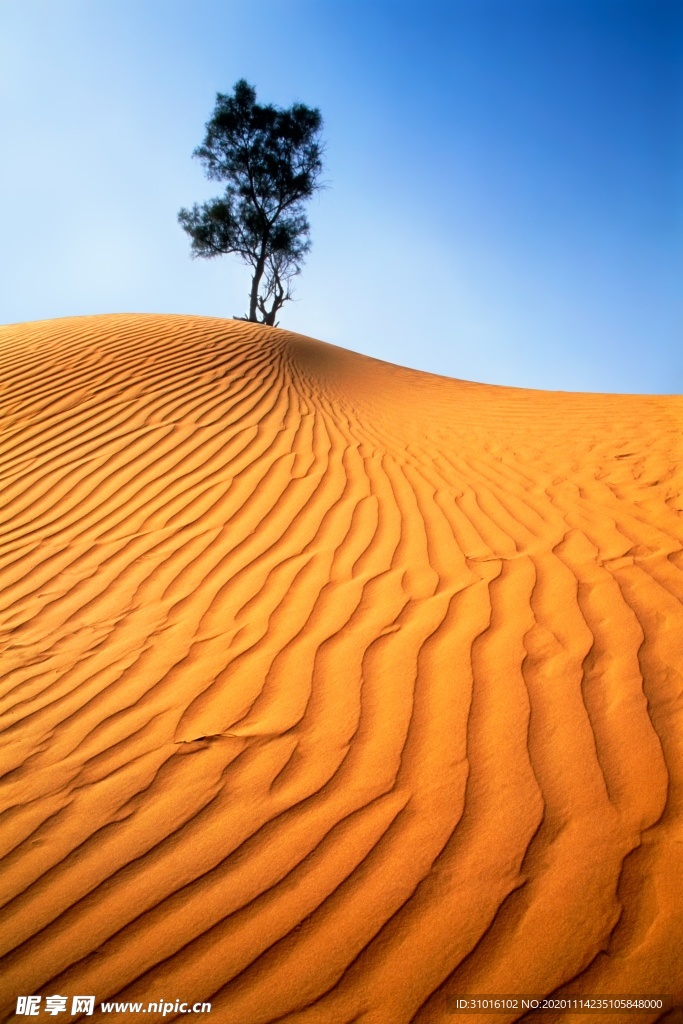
[330,688]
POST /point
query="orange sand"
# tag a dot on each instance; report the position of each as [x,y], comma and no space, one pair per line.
[330,688]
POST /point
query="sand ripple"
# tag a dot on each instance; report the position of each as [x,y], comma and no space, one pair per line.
[329,689]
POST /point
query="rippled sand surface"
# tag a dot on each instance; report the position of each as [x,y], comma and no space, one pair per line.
[331,690]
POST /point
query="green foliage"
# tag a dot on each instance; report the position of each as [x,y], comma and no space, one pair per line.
[271,160]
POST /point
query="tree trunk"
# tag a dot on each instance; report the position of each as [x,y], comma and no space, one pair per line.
[253,298]
[278,302]
[256,281]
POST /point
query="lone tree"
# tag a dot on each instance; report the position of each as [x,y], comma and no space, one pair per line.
[271,161]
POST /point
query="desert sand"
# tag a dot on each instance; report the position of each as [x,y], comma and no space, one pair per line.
[332,690]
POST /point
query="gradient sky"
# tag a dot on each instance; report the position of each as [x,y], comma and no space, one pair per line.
[506,176]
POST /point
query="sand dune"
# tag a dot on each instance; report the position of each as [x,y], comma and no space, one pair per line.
[332,690]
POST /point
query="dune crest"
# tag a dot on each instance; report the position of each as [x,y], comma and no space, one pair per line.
[331,690]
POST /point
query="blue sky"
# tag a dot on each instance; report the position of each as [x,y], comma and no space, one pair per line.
[506,176]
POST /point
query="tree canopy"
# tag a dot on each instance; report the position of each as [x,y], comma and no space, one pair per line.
[271,161]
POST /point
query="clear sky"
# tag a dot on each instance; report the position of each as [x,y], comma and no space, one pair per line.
[506,176]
